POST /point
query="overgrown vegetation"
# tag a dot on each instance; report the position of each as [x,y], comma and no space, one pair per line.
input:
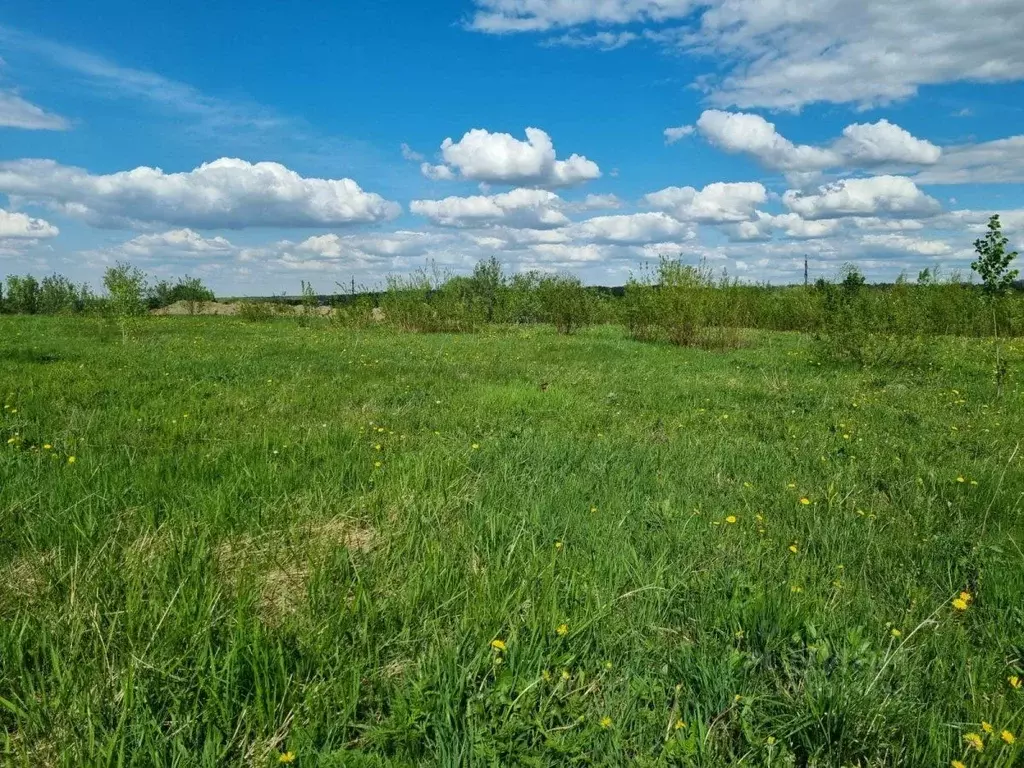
[236,542]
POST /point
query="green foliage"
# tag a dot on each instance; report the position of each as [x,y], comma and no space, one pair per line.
[257,311]
[565,303]
[281,539]
[187,289]
[126,289]
[994,260]
[58,296]
[22,295]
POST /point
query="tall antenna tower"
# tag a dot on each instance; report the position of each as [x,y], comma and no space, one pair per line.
[805,270]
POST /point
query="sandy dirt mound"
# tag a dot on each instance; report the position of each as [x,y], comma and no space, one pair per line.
[197,308]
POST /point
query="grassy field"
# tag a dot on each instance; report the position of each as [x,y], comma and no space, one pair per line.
[239,544]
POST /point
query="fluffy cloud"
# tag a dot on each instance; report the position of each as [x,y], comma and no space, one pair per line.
[15,112]
[861,145]
[883,142]
[524,208]
[634,229]
[789,53]
[501,158]
[789,224]
[226,193]
[672,135]
[717,203]
[875,196]
[999,161]
[177,241]
[19,226]
[595,203]
[752,134]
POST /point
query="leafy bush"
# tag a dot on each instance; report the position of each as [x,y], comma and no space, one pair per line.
[188,289]
[257,311]
[565,303]
[58,295]
[22,295]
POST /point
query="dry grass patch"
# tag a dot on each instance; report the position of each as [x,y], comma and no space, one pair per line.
[281,572]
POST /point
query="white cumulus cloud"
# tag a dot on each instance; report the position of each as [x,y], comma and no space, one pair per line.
[15,225]
[500,158]
[225,193]
[522,208]
[634,229]
[716,203]
[874,196]
[674,134]
[862,145]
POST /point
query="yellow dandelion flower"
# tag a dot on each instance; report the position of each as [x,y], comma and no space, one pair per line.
[476,446]
[558,545]
[1014,681]
[377,464]
[957,764]
[606,722]
[730,519]
[71,459]
[377,447]
[967,597]
[286,757]
[960,604]
[498,645]
[987,727]
[47,447]
[680,724]
[974,741]
[1008,737]
[793,548]
[593,510]
[804,500]
[770,741]
[562,630]
[896,634]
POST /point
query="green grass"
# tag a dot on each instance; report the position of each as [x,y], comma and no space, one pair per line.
[223,574]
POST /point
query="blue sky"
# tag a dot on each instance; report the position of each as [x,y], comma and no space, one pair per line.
[324,141]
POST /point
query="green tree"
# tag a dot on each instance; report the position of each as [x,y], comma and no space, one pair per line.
[126,285]
[993,262]
[22,294]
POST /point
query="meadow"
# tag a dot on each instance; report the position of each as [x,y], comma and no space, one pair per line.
[235,543]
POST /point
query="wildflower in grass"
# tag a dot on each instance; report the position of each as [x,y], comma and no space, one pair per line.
[804,500]
[47,447]
[546,676]
[791,485]
[498,645]
[957,764]
[960,604]
[793,548]
[987,727]
[377,464]
[562,630]
[71,459]
[770,741]
[565,674]
[558,545]
[961,479]
[680,724]
[896,634]
[731,519]
[967,597]
[286,757]
[606,722]
[476,446]
[1008,737]
[974,741]
[377,447]
[796,589]
[593,510]
[608,665]
[1014,682]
